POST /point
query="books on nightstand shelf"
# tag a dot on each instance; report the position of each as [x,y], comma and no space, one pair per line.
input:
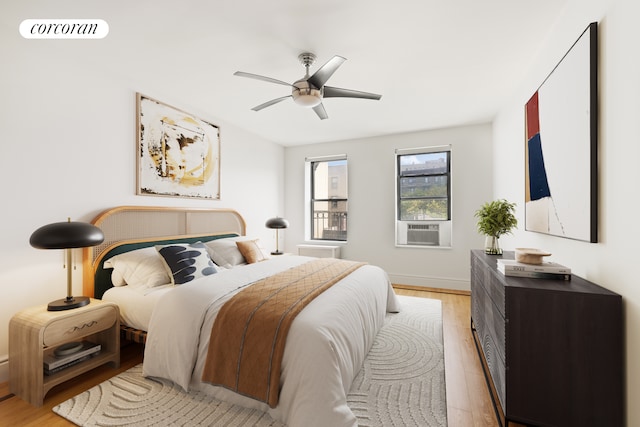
[79,353]
[546,270]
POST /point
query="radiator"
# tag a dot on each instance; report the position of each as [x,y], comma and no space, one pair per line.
[319,251]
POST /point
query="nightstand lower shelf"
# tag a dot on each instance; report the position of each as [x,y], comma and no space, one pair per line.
[53,380]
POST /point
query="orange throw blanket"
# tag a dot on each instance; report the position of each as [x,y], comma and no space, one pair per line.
[249,333]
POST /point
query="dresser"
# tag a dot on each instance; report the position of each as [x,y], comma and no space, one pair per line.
[552,350]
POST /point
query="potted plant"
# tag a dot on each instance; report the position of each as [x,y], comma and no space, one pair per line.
[495,219]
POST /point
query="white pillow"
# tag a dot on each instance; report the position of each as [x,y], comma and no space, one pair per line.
[142,269]
[116,275]
[225,252]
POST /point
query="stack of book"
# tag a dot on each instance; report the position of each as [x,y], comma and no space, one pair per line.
[546,270]
[57,362]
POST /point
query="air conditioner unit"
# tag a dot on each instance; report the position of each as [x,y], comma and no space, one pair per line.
[423,234]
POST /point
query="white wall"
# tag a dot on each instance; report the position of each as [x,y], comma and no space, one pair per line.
[611,262]
[68,150]
[372,205]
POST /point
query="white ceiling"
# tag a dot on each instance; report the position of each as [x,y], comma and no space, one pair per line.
[437,63]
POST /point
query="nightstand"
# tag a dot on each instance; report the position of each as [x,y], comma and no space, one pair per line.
[36,332]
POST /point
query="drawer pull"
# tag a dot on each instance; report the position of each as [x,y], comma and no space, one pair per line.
[84,325]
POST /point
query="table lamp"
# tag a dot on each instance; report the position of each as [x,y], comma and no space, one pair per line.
[67,235]
[277,223]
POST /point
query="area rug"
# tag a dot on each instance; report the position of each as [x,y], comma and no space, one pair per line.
[401,384]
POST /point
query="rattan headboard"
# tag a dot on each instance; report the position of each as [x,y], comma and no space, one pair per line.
[129,227]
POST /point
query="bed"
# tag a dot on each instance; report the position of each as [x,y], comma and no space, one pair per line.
[326,343]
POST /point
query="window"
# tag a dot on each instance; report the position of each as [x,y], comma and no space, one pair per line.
[423,211]
[328,198]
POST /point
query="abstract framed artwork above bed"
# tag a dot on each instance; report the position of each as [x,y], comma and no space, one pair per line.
[178,154]
[561,133]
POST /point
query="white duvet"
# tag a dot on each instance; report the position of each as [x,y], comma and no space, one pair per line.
[325,348]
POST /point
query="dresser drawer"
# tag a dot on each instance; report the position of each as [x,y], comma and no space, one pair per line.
[488,321]
[497,367]
[79,325]
[486,277]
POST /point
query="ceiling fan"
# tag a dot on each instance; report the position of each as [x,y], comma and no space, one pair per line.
[310,90]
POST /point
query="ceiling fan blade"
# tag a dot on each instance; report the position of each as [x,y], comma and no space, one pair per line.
[259,77]
[320,111]
[320,77]
[336,92]
[270,103]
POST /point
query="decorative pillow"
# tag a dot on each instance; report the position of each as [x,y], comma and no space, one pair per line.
[225,252]
[187,261]
[250,251]
[142,268]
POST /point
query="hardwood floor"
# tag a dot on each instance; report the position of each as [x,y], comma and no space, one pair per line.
[468,401]
[16,412]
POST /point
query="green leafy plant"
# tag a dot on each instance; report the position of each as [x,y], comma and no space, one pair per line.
[496,218]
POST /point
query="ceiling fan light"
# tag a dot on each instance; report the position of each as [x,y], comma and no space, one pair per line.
[306,95]
[308,101]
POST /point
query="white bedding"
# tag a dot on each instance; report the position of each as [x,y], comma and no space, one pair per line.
[136,305]
[325,348]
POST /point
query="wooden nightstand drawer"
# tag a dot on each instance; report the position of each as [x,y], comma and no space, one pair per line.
[77,326]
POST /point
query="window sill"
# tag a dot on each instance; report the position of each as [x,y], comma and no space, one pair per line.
[325,242]
[423,246]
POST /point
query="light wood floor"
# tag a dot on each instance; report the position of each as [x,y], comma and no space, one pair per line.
[468,401]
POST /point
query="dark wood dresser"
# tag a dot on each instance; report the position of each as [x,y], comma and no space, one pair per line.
[552,350]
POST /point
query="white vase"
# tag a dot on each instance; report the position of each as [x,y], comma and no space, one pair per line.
[492,246]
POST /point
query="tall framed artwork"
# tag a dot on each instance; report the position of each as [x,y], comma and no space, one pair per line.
[178,154]
[561,140]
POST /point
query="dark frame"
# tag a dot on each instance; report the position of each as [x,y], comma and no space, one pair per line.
[561,128]
[399,189]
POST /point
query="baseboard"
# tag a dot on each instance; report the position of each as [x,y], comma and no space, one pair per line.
[443,283]
[427,289]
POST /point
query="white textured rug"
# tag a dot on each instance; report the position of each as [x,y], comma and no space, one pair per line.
[401,384]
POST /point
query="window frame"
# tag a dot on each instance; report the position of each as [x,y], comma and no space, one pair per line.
[443,225]
[399,177]
[331,200]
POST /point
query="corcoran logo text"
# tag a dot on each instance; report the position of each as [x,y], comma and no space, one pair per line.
[64,28]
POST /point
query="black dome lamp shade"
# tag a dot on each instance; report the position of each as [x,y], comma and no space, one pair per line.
[276,223]
[67,235]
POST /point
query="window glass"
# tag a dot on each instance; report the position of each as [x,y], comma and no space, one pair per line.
[423,186]
[329,200]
